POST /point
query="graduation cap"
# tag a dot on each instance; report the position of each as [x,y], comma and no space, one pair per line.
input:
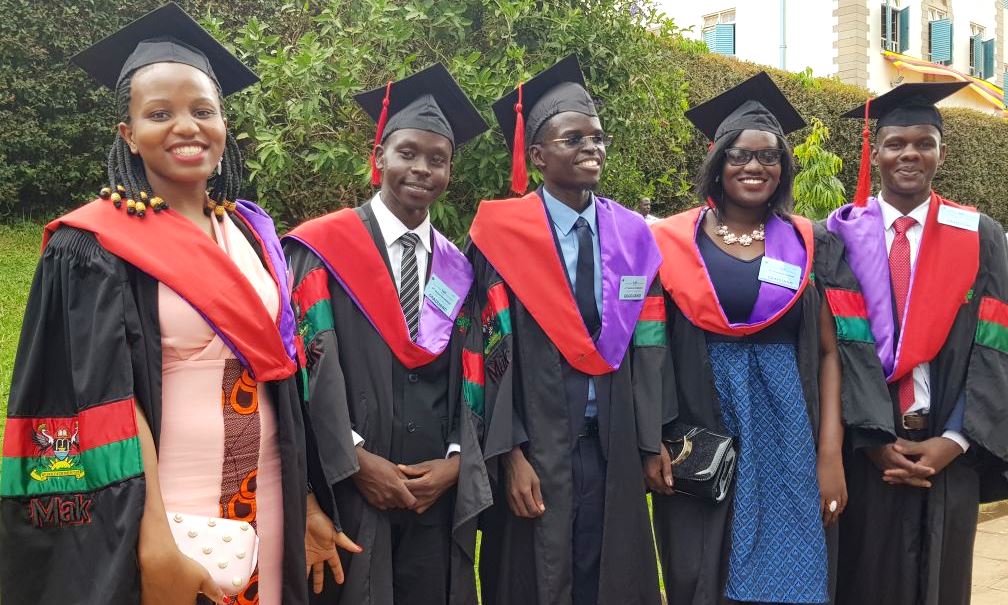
[428,100]
[555,90]
[756,104]
[906,105]
[164,35]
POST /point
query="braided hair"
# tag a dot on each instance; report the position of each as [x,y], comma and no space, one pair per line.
[128,177]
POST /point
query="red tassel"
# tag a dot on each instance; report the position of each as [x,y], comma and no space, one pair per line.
[519,172]
[382,119]
[864,172]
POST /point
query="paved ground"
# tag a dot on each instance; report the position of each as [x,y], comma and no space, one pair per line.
[990,563]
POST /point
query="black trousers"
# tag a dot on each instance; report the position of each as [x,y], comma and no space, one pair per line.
[420,560]
[589,470]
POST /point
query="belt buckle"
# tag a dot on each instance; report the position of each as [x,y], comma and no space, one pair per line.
[920,424]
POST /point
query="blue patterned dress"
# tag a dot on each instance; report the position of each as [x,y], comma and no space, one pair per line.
[778,545]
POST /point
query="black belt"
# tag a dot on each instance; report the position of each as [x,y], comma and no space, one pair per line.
[589,428]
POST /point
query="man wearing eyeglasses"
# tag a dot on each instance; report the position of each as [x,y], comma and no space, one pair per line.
[561,277]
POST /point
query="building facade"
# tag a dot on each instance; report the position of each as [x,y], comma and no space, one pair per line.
[877,44]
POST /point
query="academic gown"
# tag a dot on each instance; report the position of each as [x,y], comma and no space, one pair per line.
[90,350]
[903,545]
[403,399]
[527,338]
[694,535]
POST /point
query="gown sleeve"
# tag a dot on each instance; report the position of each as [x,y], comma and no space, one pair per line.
[649,356]
[324,385]
[72,485]
[472,496]
[488,354]
[867,408]
[985,411]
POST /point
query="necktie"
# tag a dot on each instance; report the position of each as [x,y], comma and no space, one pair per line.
[584,277]
[899,272]
[409,283]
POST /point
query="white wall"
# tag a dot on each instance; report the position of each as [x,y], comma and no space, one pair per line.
[809,28]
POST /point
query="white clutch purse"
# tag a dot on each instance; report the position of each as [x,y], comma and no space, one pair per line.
[226,548]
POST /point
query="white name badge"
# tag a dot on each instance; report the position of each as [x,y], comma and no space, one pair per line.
[443,297]
[957,217]
[780,273]
[632,287]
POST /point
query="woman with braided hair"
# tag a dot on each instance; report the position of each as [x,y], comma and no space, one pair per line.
[155,380]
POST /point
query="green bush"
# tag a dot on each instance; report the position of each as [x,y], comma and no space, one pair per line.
[817,190]
[56,124]
[310,142]
[307,142]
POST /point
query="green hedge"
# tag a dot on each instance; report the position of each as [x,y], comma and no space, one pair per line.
[310,141]
[307,142]
[55,123]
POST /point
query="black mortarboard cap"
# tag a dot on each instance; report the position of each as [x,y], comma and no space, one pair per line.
[756,104]
[524,110]
[555,90]
[428,100]
[908,105]
[166,34]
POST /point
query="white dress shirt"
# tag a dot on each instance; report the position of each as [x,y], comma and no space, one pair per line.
[392,229]
[921,373]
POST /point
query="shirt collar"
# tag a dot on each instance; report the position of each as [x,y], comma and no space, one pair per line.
[890,213]
[564,217]
[392,228]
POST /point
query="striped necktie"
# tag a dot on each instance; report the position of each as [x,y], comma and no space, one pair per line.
[409,283]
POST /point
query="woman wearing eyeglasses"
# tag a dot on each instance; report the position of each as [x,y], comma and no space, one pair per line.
[753,359]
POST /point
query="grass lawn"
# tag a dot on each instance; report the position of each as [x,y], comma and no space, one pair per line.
[19,252]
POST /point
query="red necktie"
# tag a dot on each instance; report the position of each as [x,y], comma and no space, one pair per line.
[899,272]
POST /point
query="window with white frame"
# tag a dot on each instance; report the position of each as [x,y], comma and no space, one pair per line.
[981,52]
[895,30]
[719,32]
[726,16]
[939,33]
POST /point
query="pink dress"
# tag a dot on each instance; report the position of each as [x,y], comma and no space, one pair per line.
[218,453]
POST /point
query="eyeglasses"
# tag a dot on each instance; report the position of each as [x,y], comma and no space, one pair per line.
[575,141]
[738,156]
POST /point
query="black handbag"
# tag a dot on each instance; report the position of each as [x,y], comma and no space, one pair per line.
[703,462]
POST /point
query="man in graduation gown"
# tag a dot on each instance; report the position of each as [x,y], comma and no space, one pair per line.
[377,291]
[72,482]
[561,278]
[932,278]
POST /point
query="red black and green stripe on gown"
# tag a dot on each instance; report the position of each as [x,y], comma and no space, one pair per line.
[650,329]
[992,327]
[86,452]
[851,315]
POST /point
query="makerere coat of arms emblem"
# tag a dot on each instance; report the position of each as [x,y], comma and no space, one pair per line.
[58,453]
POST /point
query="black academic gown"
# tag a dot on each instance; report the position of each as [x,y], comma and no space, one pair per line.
[404,415]
[909,546]
[694,535]
[91,336]
[528,561]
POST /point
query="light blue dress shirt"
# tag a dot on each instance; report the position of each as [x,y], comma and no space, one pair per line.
[563,218]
